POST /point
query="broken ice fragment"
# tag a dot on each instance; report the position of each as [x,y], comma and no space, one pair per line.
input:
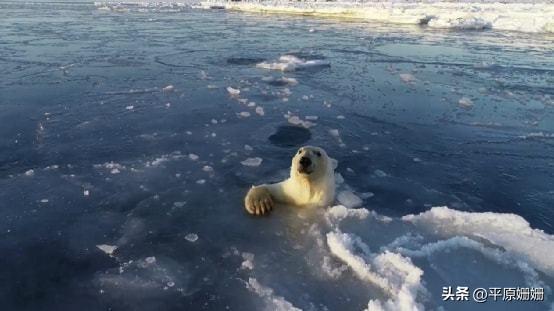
[252,162]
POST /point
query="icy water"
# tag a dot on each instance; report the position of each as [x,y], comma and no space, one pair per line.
[124,160]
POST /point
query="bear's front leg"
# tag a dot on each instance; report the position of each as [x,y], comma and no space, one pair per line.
[258,201]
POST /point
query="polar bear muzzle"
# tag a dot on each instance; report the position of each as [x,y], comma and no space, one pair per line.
[305,165]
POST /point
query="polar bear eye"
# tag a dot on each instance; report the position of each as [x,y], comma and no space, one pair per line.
[300,151]
[318,153]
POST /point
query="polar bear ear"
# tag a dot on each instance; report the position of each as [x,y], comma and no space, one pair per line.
[334,163]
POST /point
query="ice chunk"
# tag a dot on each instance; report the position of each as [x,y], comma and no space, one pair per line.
[208,169]
[179,203]
[380,173]
[349,199]
[130,107]
[291,81]
[248,263]
[407,78]
[291,63]
[191,237]
[252,162]
[193,156]
[244,114]
[465,103]
[296,120]
[108,249]
[30,173]
[339,212]
[272,301]
[233,91]
[508,231]
[168,88]
[260,111]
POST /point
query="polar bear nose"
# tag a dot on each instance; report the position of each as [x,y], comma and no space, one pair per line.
[305,161]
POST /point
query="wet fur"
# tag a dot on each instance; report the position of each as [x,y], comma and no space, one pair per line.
[300,189]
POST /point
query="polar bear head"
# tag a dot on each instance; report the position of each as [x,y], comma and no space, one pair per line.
[312,163]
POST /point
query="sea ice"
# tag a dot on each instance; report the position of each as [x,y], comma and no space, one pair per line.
[349,199]
[108,249]
[168,88]
[233,91]
[272,301]
[465,103]
[252,162]
[508,231]
[291,63]
[191,237]
[260,111]
[407,78]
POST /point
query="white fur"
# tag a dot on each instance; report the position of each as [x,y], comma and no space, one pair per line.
[304,190]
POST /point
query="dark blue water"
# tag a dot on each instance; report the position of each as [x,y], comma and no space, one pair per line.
[103,112]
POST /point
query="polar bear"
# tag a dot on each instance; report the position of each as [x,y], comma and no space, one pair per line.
[311,183]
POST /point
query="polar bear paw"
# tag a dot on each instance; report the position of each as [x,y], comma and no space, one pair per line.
[258,201]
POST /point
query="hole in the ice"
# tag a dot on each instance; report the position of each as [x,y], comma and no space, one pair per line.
[244,60]
[290,136]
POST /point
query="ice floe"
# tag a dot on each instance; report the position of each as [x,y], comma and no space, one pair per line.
[233,91]
[292,63]
[509,231]
[191,237]
[252,162]
[512,15]
[349,199]
[108,249]
[260,111]
[465,103]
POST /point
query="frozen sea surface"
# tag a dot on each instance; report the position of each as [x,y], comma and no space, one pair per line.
[129,135]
